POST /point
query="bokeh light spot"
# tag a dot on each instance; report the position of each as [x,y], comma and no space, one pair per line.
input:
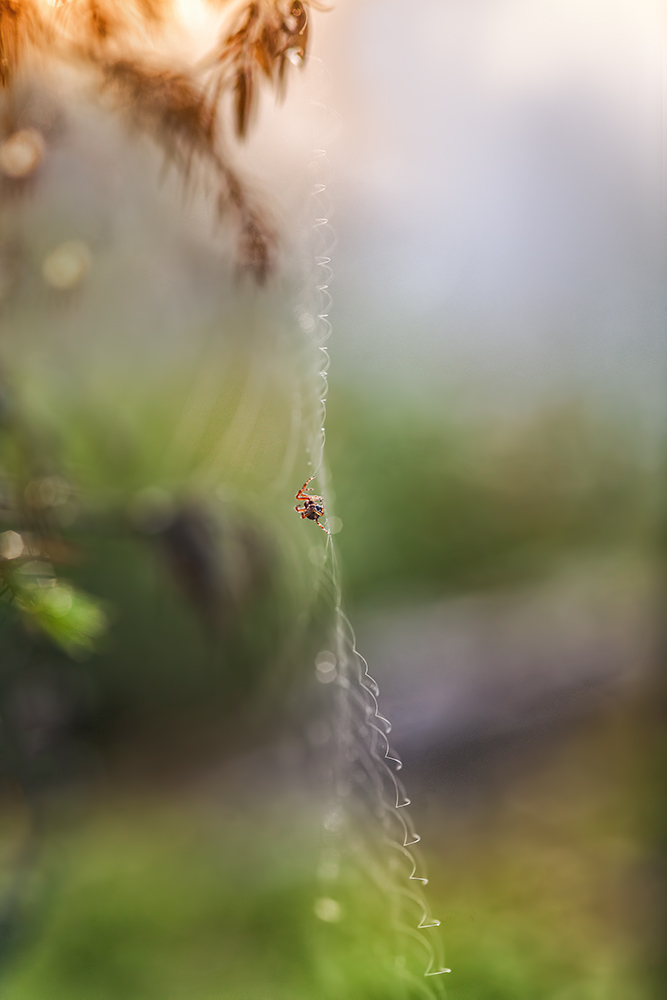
[21,153]
[67,265]
[328,910]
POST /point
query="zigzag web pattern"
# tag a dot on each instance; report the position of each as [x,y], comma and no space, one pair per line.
[366,827]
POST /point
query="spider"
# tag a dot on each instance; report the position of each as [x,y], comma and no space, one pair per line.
[313,506]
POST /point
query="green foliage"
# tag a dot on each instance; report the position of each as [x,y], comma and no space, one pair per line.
[166,903]
[432,504]
[175,903]
[72,619]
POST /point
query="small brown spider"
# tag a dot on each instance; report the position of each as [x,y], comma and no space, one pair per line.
[313,506]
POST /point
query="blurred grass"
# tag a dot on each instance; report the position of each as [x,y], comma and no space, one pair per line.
[180,899]
[170,899]
[434,504]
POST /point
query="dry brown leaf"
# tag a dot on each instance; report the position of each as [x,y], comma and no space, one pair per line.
[265,36]
[21,28]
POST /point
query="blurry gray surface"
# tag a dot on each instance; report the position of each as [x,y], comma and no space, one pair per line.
[472,669]
[474,687]
[499,196]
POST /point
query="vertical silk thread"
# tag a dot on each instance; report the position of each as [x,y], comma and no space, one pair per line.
[367,815]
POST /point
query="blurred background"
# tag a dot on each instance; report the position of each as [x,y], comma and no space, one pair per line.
[495,434]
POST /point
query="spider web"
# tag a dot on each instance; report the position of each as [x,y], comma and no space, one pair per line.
[224,432]
[366,829]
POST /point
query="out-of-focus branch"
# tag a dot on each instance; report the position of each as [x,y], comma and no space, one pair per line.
[180,109]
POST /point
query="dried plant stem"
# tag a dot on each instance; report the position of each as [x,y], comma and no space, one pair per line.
[179,110]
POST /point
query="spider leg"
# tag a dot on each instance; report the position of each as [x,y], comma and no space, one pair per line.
[301,495]
[299,510]
[323,528]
